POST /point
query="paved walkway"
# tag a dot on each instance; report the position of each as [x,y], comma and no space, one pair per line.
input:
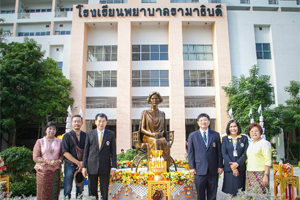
[221,195]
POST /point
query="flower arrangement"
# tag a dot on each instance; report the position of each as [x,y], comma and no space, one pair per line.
[2,167]
[180,163]
[128,178]
[179,178]
[61,136]
[287,169]
[143,163]
[128,164]
[142,178]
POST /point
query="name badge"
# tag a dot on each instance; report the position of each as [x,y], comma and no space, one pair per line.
[235,154]
[107,143]
[214,144]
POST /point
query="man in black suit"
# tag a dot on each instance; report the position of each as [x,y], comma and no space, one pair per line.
[205,158]
[99,156]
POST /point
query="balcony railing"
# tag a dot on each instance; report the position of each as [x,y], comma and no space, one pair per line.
[23,15]
[61,14]
[274,2]
[245,1]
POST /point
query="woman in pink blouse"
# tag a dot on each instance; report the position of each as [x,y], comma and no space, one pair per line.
[48,158]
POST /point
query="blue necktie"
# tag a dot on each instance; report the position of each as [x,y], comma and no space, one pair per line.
[205,138]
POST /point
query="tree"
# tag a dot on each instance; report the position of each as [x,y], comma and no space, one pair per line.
[32,88]
[247,93]
[2,32]
[294,101]
[289,116]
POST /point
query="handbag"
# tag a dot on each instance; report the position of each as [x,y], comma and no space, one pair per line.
[79,152]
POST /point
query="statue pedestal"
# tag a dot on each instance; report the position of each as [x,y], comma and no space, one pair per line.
[286,181]
[163,186]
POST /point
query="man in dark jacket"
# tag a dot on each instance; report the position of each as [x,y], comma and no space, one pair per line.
[205,158]
[99,159]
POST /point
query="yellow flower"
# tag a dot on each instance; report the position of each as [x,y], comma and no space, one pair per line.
[61,136]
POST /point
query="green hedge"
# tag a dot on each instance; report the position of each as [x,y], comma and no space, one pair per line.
[121,157]
[27,187]
[18,160]
[130,154]
[19,163]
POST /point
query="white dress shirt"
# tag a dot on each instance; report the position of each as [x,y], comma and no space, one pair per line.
[99,133]
[206,133]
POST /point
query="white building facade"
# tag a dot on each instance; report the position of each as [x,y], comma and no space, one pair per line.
[116,52]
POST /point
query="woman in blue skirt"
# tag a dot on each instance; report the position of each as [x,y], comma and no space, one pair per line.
[234,148]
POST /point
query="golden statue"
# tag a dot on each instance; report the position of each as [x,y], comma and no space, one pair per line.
[153,127]
[153,134]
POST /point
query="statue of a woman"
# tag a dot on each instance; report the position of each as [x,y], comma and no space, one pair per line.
[153,126]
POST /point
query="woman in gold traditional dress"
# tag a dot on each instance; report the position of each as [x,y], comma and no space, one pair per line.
[153,126]
[48,158]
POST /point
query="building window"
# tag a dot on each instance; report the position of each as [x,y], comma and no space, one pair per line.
[101,79]
[245,1]
[112,1]
[273,2]
[141,102]
[273,95]
[198,78]
[298,2]
[32,33]
[148,1]
[184,1]
[100,102]
[263,51]
[7,11]
[197,52]
[60,65]
[150,78]
[35,10]
[62,32]
[102,53]
[65,9]
[150,52]
[199,101]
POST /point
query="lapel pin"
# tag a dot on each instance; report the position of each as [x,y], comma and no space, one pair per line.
[242,144]
[107,143]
